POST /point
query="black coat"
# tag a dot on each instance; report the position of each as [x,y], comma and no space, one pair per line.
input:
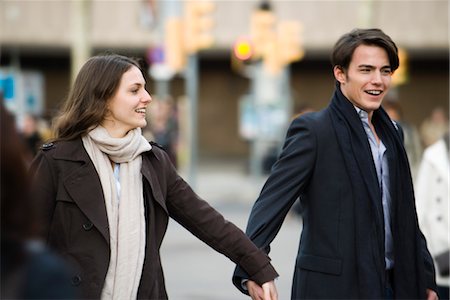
[312,166]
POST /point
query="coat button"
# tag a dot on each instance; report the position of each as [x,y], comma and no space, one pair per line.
[47,146]
[439,218]
[76,280]
[88,226]
[438,199]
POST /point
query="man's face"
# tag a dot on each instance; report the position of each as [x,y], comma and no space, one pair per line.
[367,79]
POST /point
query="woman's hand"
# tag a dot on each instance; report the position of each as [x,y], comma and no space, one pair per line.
[267,291]
[431,295]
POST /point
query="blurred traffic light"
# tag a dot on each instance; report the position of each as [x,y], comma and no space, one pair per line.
[262,29]
[271,57]
[289,41]
[400,75]
[174,49]
[276,43]
[198,25]
[243,49]
[242,54]
[187,34]
[284,47]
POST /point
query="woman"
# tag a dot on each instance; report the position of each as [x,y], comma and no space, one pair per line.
[107,193]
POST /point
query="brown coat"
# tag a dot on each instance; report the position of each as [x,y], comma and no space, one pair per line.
[69,191]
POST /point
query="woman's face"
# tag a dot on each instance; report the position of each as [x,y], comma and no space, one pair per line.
[126,109]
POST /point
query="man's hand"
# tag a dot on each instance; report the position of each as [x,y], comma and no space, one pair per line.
[431,295]
[267,291]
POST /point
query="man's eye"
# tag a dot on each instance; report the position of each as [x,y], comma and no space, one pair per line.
[365,70]
[386,72]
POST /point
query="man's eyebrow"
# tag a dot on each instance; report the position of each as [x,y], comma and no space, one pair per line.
[373,67]
[366,66]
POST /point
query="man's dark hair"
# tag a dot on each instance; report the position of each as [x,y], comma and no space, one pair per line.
[346,45]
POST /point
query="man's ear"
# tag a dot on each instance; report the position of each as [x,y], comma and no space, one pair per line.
[339,74]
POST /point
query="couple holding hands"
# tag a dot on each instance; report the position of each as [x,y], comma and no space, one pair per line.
[106,193]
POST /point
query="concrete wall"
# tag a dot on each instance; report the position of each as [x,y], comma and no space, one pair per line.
[124,24]
[38,34]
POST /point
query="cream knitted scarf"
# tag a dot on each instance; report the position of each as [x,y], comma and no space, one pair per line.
[127,220]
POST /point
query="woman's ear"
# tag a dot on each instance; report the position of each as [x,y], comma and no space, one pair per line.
[339,74]
[106,113]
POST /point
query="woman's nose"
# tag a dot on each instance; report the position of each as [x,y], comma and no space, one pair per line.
[147,98]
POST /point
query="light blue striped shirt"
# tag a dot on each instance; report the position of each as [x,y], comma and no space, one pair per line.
[382,167]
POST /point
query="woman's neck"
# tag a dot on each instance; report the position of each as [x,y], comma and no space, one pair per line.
[114,131]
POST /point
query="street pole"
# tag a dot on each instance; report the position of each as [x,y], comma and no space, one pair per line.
[162,89]
[192,95]
[365,14]
[81,47]
[168,9]
[255,149]
[272,100]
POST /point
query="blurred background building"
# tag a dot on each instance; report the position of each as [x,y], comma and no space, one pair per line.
[44,42]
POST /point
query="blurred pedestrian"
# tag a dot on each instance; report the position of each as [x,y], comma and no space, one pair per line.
[108,193]
[434,126]
[360,236]
[413,145]
[28,269]
[432,197]
[30,135]
[164,126]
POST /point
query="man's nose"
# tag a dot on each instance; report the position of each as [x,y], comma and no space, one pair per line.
[377,77]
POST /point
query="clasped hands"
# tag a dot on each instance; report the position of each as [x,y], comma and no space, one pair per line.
[267,291]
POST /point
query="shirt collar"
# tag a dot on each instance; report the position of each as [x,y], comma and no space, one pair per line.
[363,115]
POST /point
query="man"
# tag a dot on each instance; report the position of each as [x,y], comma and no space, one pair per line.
[347,163]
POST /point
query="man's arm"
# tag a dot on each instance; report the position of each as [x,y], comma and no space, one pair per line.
[430,274]
[287,180]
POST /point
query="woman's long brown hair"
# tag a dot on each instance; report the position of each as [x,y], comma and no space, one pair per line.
[86,104]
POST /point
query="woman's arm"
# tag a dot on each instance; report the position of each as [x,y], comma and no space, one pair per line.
[203,221]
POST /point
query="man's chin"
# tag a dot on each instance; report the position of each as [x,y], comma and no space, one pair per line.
[374,106]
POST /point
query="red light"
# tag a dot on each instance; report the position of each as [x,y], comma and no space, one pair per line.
[243,49]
